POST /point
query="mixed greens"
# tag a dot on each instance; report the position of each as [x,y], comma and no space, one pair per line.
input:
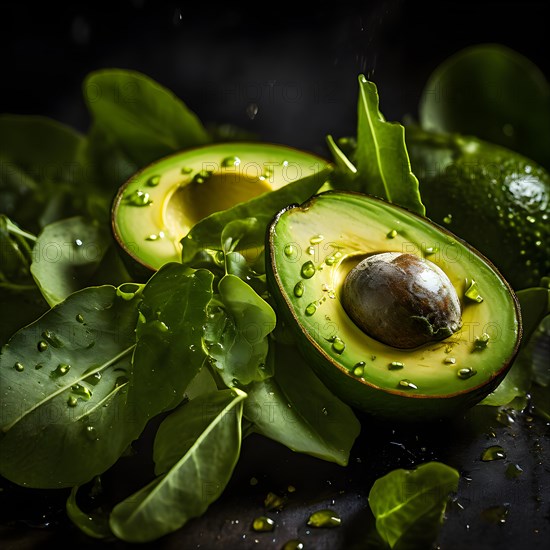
[90,357]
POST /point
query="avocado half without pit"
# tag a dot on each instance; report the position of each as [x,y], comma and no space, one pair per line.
[398,316]
[158,206]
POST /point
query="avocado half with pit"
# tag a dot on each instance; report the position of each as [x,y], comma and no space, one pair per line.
[158,206]
[398,316]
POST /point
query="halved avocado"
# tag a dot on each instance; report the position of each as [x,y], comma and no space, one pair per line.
[316,249]
[158,206]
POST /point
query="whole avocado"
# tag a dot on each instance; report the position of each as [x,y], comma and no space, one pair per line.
[495,199]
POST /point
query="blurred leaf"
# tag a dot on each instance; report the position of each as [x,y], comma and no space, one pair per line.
[143,118]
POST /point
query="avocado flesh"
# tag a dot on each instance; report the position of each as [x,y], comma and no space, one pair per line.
[495,199]
[158,206]
[353,226]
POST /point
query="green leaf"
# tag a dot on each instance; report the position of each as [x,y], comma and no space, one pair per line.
[15,257]
[65,414]
[37,169]
[169,351]
[296,409]
[207,233]
[409,504]
[381,157]
[197,448]
[66,256]
[237,333]
[494,93]
[94,525]
[144,119]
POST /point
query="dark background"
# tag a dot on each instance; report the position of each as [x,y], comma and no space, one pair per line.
[299,67]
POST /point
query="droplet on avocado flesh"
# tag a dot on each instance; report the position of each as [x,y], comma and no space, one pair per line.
[401,300]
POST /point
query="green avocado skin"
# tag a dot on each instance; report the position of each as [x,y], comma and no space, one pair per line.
[495,199]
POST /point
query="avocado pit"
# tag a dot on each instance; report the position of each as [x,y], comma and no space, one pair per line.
[401,300]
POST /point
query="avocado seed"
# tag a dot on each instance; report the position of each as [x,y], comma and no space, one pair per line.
[401,300]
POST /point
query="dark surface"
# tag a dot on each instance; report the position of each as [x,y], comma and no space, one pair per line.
[300,69]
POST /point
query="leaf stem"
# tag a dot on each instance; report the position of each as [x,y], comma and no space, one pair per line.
[12,228]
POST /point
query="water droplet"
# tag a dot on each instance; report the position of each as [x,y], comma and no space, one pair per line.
[495,452]
[177,18]
[289,250]
[273,501]
[316,239]
[253,481]
[472,292]
[308,270]
[252,110]
[229,162]
[466,373]
[263,524]
[324,518]
[78,242]
[496,514]
[293,544]
[310,250]
[359,368]
[338,345]
[201,176]
[81,391]
[52,339]
[19,367]
[153,181]
[152,237]
[42,346]
[38,366]
[91,433]
[429,250]
[93,379]
[448,219]
[330,260]
[481,342]
[513,471]
[505,417]
[299,289]
[449,360]
[396,365]
[79,318]
[138,198]
[61,370]
[186,170]
[72,401]
[311,309]
[392,234]
[407,384]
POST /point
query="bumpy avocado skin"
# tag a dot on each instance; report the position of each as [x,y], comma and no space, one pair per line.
[495,199]
[336,369]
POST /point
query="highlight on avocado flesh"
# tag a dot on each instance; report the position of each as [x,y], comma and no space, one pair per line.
[402,300]
[159,205]
[413,327]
